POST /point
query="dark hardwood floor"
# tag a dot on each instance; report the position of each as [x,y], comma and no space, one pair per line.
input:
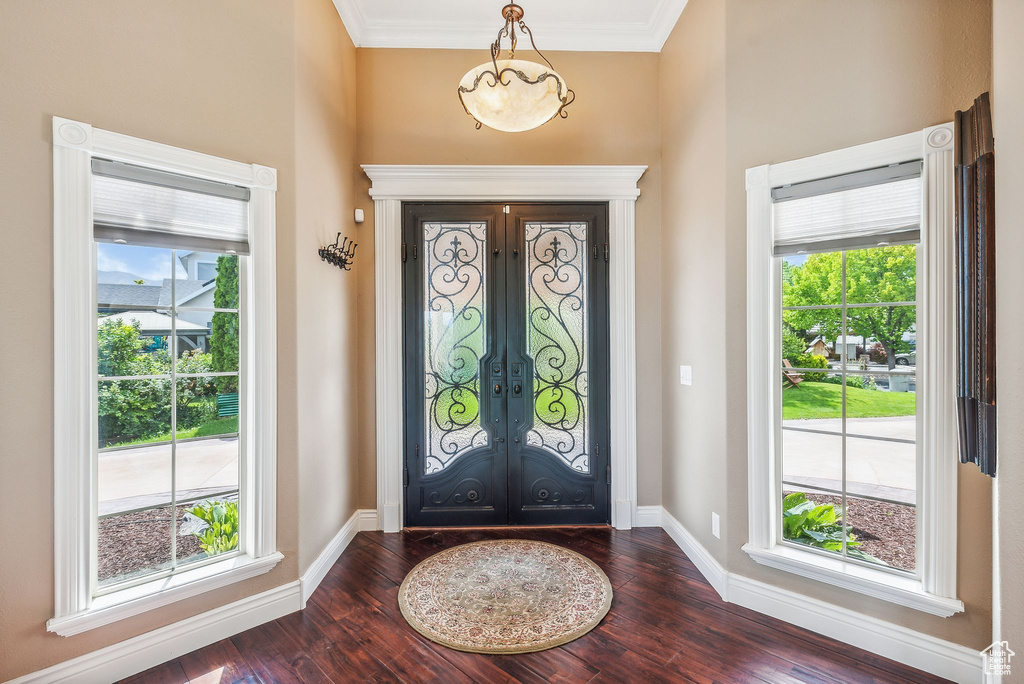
[666,625]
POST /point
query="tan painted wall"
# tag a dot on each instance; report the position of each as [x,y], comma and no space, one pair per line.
[325,142]
[409,114]
[801,77]
[693,132]
[235,79]
[1008,113]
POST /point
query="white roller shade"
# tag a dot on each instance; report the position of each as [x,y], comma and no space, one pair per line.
[846,213]
[155,208]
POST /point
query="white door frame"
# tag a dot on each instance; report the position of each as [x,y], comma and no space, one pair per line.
[392,185]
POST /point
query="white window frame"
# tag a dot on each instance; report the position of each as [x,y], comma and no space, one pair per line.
[75,380]
[933,588]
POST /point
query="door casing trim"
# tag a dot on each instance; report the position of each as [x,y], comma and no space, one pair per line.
[393,184]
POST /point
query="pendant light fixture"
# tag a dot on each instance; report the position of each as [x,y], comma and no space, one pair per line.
[513,95]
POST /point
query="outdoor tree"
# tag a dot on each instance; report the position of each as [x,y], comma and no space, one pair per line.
[118,344]
[130,409]
[880,274]
[224,326]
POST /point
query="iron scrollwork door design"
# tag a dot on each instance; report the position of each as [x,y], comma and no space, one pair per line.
[506,364]
[453,279]
[558,364]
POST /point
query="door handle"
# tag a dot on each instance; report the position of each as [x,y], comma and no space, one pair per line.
[517,389]
[499,440]
[497,389]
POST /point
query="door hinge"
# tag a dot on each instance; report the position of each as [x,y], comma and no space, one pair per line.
[405,252]
[507,209]
[608,471]
[405,477]
[606,251]
[595,252]
[416,251]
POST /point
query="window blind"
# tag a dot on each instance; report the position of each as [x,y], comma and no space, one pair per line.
[154,208]
[853,211]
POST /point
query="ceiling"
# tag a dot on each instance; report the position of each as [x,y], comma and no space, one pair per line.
[599,25]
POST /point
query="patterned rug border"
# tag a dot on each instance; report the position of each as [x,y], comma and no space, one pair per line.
[571,636]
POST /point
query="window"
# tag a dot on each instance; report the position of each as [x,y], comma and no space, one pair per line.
[852,466]
[848,423]
[164,378]
[207,271]
[168,413]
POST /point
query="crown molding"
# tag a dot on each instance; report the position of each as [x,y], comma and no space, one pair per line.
[577,36]
[503,183]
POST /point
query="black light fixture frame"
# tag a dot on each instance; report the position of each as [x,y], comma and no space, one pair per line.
[513,15]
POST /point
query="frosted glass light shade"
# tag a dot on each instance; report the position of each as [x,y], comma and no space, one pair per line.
[518,106]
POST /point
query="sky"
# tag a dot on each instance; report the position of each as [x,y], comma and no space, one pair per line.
[152,264]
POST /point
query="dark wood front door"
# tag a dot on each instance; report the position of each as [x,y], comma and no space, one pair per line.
[506,364]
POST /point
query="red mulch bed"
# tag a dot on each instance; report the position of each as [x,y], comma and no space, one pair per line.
[886,531]
[134,542]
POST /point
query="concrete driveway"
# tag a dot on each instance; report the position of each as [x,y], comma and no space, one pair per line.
[874,466]
[140,476]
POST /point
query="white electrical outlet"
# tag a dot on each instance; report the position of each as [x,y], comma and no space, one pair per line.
[716,528]
[685,375]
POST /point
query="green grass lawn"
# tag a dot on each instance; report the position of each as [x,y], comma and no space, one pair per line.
[823,400]
[211,428]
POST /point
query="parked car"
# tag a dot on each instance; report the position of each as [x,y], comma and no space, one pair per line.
[907,359]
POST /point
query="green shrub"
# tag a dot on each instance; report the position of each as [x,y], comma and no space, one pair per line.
[793,346]
[812,361]
[197,396]
[858,381]
[806,522]
[133,410]
[222,532]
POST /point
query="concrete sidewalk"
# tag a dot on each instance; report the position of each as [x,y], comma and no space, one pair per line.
[874,467]
[140,474]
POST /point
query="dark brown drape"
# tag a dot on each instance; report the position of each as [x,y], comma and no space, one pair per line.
[975,292]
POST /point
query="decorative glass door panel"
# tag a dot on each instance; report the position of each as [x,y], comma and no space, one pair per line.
[506,364]
[556,339]
[454,268]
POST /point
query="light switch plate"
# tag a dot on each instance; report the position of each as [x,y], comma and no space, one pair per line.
[685,375]
[716,526]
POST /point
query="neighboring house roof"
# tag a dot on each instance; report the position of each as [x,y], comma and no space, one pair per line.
[185,290]
[155,323]
[109,295]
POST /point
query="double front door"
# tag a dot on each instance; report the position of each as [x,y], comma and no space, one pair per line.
[506,364]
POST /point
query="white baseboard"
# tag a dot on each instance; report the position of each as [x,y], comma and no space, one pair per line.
[648,516]
[318,569]
[712,570]
[928,653]
[153,648]
[166,643]
[368,520]
[390,517]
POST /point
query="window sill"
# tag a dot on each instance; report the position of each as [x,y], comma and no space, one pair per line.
[903,591]
[145,597]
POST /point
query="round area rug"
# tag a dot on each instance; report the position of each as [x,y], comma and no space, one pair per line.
[505,596]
